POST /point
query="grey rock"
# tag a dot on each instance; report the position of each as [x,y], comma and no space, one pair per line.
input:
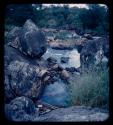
[20,109]
[23,63]
[72,69]
[74,114]
[90,50]
[13,35]
[64,59]
[32,40]
[51,61]
[65,75]
[61,47]
[88,36]
[28,39]
[23,79]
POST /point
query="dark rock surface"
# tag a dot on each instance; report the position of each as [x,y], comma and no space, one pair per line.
[20,109]
[61,47]
[74,113]
[29,39]
[64,59]
[33,40]
[88,36]
[23,79]
[64,75]
[72,69]
[51,61]
[13,35]
[23,109]
[23,62]
[93,51]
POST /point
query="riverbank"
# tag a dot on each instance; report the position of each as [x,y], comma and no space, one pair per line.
[74,114]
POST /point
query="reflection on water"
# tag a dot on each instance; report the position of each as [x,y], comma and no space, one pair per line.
[56,94]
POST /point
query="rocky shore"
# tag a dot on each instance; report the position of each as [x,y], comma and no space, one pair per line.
[27,73]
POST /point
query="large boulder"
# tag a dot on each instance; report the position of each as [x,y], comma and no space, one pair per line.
[23,63]
[13,36]
[28,39]
[93,51]
[20,109]
[22,79]
[32,40]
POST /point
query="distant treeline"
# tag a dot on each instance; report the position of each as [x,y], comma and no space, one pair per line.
[93,20]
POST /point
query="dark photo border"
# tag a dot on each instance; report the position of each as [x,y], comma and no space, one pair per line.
[3,4]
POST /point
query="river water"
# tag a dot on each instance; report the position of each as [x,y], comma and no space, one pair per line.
[74,57]
[57,93]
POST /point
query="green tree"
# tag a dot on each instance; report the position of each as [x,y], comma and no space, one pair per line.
[17,14]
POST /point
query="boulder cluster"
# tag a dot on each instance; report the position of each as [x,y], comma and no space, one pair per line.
[26,72]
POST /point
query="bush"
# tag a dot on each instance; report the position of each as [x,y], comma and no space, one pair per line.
[90,89]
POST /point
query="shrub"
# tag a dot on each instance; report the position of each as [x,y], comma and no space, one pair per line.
[90,89]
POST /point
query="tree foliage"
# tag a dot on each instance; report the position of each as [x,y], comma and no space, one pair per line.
[95,18]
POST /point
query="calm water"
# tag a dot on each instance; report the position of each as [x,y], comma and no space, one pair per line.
[57,93]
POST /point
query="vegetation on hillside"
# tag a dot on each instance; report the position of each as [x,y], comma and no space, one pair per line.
[93,20]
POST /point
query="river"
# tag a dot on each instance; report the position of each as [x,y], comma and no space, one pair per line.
[57,93]
[74,57]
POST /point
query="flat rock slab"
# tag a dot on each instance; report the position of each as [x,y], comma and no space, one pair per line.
[75,114]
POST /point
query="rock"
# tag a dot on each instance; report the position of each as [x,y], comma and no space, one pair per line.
[79,48]
[23,79]
[80,42]
[74,114]
[47,78]
[23,109]
[64,75]
[13,35]
[33,40]
[61,46]
[71,69]
[28,39]
[64,59]
[60,68]
[55,67]
[42,73]
[50,38]
[99,55]
[20,109]
[90,51]
[9,94]
[23,62]
[88,36]
[51,61]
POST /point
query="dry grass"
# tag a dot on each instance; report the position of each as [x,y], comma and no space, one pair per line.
[90,89]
